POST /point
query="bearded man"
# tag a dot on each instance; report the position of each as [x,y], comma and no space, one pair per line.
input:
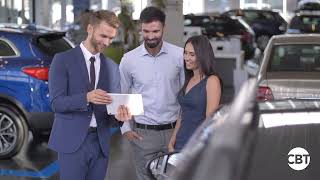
[80,81]
[155,70]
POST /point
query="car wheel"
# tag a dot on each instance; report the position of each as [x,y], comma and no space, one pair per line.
[262,41]
[13,132]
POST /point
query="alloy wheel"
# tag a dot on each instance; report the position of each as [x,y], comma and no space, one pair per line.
[8,133]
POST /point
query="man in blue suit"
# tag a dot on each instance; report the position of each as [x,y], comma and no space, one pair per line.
[79,82]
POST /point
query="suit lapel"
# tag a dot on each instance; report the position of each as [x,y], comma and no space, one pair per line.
[102,74]
[83,66]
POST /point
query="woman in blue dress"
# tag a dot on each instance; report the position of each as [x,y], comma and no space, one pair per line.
[200,95]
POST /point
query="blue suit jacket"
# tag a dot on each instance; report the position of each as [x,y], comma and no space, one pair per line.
[68,87]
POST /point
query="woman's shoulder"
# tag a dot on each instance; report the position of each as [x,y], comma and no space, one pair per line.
[213,79]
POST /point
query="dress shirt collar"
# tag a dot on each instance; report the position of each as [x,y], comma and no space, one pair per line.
[87,54]
[164,49]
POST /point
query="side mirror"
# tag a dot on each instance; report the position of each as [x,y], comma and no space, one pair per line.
[162,166]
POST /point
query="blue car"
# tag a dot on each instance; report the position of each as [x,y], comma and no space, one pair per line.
[26,52]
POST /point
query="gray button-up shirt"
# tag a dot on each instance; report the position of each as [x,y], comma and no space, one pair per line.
[158,78]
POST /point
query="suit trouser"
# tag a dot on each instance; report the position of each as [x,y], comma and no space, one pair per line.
[87,163]
[153,143]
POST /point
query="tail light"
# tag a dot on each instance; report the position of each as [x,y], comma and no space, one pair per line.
[37,72]
[264,94]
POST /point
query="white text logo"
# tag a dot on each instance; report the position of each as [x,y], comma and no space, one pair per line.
[298,158]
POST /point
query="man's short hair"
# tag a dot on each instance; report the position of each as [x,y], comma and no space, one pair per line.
[151,13]
[96,17]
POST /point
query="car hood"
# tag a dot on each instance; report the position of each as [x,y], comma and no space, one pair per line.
[293,85]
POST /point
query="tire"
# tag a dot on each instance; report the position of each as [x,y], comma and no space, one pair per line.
[262,41]
[13,131]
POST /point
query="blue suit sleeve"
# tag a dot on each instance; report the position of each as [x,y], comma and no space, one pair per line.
[60,100]
[116,80]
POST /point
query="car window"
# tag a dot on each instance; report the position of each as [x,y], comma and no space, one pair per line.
[250,16]
[233,13]
[306,24]
[297,57]
[306,20]
[310,20]
[52,44]
[205,20]
[216,27]
[268,15]
[220,25]
[6,49]
[196,20]
[187,22]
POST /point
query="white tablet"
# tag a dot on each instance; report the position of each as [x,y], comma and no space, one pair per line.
[132,101]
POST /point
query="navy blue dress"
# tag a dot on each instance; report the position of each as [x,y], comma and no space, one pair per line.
[193,109]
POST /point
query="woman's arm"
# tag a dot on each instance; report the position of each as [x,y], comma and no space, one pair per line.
[213,88]
[172,141]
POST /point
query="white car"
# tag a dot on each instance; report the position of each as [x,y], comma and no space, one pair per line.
[290,68]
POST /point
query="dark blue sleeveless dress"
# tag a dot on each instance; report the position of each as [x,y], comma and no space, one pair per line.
[193,108]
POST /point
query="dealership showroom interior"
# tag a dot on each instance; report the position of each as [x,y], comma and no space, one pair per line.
[159,89]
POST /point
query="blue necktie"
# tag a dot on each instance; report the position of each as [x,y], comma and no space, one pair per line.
[92,74]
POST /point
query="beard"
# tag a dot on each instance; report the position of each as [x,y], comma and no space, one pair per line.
[95,45]
[152,43]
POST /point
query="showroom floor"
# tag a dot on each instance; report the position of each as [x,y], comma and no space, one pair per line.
[36,161]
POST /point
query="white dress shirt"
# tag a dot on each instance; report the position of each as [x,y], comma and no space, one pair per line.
[158,78]
[87,55]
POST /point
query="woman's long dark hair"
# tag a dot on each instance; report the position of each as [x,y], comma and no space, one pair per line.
[205,59]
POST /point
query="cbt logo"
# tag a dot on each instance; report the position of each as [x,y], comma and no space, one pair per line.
[298,158]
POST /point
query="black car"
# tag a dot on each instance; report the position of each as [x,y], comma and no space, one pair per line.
[265,23]
[309,5]
[305,22]
[196,20]
[250,141]
[224,26]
